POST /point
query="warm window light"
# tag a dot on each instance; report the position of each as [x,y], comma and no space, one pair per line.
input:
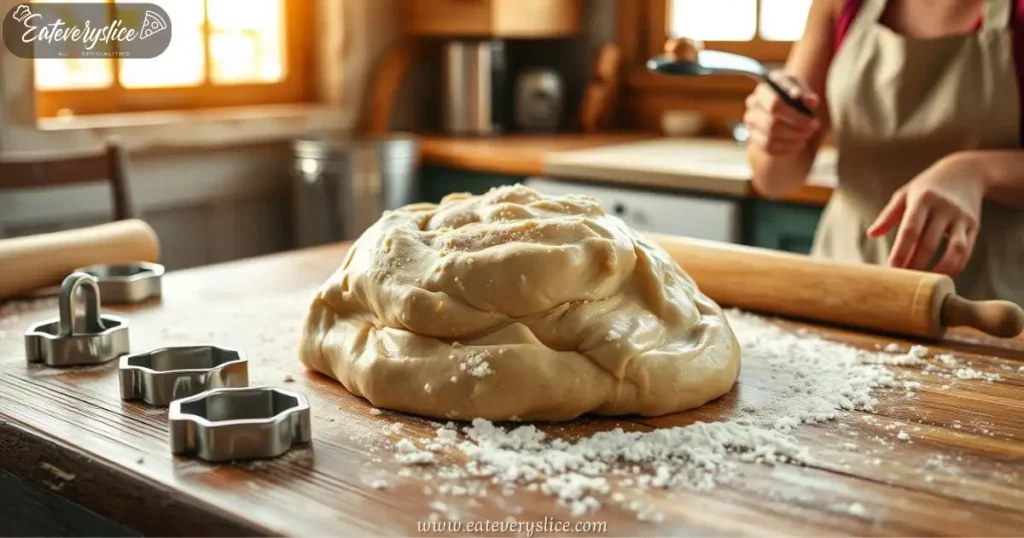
[737,20]
[77,73]
[783,20]
[245,40]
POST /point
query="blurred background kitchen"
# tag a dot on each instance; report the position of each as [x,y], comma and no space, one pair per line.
[270,125]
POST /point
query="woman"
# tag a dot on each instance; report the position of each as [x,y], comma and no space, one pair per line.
[924,99]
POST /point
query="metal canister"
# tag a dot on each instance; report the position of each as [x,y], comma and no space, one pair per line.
[475,87]
[343,184]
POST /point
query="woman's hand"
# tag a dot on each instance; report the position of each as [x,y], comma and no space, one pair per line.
[944,201]
[775,127]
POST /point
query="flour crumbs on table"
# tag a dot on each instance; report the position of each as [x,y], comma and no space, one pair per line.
[970,373]
[814,380]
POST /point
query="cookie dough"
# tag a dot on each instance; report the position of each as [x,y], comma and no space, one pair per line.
[517,306]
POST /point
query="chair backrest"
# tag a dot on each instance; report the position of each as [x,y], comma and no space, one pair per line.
[32,171]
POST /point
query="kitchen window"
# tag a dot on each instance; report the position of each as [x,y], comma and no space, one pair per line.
[223,53]
[762,29]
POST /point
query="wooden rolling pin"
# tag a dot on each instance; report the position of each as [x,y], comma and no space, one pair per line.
[38,261]
[894,301]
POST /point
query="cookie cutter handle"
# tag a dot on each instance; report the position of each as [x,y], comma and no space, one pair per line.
[92,323]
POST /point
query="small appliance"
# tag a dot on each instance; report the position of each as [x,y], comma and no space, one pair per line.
[540,98]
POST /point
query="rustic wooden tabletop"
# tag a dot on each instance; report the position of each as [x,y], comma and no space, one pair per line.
[68,433]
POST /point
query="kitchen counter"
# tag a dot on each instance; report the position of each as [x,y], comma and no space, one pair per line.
[521,155]
[68,434]
[709,166]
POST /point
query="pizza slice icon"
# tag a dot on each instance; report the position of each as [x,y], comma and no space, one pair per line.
[152,24]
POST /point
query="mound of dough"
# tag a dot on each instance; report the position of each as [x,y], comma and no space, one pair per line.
[517,306]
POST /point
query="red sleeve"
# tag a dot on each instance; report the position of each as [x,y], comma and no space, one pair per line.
[846,16]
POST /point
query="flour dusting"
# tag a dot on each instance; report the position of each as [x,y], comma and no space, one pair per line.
[970,373]
[813,381]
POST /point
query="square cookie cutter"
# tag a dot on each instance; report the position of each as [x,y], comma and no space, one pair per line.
[239,423]
[73,340]
[163,375]
[127,283]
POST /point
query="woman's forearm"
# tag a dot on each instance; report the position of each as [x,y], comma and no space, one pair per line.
[1002,171]
[775,177]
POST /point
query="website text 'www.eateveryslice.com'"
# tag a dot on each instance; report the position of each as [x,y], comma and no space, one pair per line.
[507,526]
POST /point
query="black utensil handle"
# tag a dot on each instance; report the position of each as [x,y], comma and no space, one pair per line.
[795,103]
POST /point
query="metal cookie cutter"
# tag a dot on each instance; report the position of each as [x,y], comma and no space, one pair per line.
[127,283]
[72,340]
[163,375]
[239,423]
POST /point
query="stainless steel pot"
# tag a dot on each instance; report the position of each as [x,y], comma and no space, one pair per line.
[342,185]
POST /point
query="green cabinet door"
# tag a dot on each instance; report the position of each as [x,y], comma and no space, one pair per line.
[780,225]
[437,182]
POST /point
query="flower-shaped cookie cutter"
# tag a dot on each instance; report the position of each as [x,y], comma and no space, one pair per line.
[163,375]
[127,283]
[73,340]
[239,423]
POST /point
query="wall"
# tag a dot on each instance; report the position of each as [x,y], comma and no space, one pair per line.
[214,186]
[206,206]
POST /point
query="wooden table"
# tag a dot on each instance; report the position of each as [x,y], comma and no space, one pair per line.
[67,433]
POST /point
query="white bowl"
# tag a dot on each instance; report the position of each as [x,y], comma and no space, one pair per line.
[681,123]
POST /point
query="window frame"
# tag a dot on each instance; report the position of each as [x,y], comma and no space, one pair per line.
[643,31]
[295,87]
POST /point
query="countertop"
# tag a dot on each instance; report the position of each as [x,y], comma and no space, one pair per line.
[519,155]
[711,166]
[68,432]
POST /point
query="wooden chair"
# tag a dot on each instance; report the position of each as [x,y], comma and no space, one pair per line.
[31,171]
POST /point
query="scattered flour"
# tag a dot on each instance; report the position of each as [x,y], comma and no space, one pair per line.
[475,365]
[407,453]
[376,412]
[914,356]
[947,359]
[903,436]
[813,380]
[442,510]
[970,373]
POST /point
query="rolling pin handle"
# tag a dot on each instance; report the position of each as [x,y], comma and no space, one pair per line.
[997,318]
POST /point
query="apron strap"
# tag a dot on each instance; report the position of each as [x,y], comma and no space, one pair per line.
[869,14]
[997,13]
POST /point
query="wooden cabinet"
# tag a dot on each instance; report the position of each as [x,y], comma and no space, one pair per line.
[492,18]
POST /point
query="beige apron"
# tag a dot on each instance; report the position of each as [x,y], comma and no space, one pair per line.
[898,105]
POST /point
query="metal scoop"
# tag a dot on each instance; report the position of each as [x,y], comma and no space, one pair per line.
[712,62]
